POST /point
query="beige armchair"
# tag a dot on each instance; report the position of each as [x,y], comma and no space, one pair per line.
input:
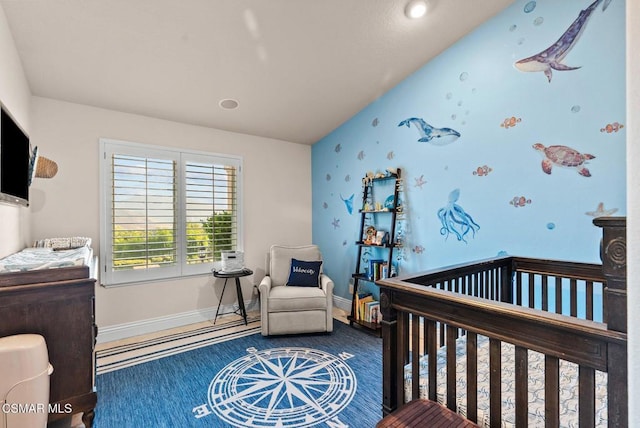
[291,309]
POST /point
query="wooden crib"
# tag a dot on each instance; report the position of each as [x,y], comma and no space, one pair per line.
[527,307]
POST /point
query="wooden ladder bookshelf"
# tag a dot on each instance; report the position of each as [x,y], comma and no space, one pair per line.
[372,213]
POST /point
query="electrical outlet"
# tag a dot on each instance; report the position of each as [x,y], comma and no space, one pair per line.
[350,288]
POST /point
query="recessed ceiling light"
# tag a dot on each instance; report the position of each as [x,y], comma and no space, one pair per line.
[416,9]
[228,104]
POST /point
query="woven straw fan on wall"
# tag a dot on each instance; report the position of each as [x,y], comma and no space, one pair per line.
[44,167]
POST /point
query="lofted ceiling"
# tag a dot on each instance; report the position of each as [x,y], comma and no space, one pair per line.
[298,68]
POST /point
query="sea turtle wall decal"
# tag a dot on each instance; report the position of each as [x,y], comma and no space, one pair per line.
[563,156]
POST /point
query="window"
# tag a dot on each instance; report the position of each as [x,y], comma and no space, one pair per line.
[165,213]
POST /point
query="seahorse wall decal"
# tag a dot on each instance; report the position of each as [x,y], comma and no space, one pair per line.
[551,58]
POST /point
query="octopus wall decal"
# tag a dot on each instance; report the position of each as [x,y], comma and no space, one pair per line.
[455,220]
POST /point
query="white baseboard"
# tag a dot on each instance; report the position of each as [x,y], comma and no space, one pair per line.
[152,325]
[342,303]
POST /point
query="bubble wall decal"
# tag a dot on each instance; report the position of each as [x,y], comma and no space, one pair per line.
[528,8]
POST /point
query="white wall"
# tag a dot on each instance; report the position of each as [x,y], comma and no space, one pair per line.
[633,203]
[15,95]
[277,200]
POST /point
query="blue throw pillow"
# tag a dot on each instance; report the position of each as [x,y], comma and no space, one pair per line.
[304,274]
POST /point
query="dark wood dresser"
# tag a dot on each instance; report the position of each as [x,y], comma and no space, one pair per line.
[59,305]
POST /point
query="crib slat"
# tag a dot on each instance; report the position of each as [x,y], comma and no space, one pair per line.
[490,278]
[551,392]
[586,399]
[428,336]
[522,383]
[468,285]
[532,290]
[432,358]
[545,292]
[506,285]
[476,287]
[472,376]
[405,337]
[465,285]
[472,285]
[485,277]
[415,356]
[574,297]
[401,351]
[519,288]
[558,295]
[451,367]
[495,383]
[589,300]
[487,285]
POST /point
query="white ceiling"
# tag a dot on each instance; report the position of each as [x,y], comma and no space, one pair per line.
[299,68]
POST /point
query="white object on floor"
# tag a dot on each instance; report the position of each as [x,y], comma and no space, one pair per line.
[24,381]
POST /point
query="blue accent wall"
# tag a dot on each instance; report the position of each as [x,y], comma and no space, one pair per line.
[527,201]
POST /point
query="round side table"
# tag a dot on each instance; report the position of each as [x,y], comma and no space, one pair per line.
[237,275]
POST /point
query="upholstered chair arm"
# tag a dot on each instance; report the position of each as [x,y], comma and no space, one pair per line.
[265,285]
[326,284]
[264,288]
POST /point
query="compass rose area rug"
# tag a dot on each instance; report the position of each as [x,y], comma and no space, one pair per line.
[325,380]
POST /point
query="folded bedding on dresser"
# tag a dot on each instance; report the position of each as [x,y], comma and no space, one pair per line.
[45,258]
[568,385]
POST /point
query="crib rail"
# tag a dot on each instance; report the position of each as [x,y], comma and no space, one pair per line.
[530,304]
[579,285]
[549,285]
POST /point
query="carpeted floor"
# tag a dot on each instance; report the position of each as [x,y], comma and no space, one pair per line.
[324,380]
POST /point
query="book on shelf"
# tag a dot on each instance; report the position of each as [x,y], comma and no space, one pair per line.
[361,299]
[371,312]
[362,307]
[373,268]
[382,237]
[378,269]
[384,270]
[367,309]
[375,315]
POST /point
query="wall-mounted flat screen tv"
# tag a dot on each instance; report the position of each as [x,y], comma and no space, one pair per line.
[14,161]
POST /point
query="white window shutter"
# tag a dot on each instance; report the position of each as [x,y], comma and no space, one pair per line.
[165,213]
[211,209]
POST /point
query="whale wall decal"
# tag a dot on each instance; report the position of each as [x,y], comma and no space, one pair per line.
[551,58]
[428,132]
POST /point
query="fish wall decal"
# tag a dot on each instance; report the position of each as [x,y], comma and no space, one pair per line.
[551,58]
[428,132]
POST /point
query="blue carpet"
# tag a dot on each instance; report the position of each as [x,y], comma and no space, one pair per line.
[325,380]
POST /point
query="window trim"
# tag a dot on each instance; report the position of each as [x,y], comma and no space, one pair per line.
[181,269]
